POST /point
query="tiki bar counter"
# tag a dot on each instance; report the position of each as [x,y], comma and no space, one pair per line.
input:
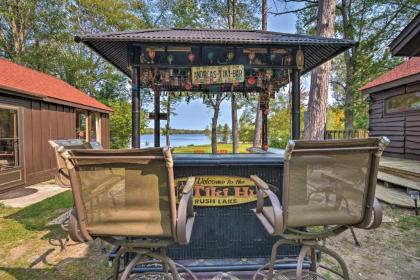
[226,235]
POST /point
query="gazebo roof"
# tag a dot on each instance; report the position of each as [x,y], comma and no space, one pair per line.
[114,46]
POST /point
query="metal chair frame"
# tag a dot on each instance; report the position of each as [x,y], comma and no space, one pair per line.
[372,214]
[147,249]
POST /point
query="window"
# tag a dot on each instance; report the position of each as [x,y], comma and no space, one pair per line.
[403,103]
[81,117]
[9,138]
[95,127]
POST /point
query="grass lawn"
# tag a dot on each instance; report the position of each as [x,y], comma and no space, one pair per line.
[30,248]
[222,148]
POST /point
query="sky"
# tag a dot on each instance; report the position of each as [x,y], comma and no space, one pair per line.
[196,115]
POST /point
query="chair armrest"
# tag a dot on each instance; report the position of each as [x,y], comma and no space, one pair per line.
[73,228]
[262,190]
[189,185]
[377,215]
[186,215]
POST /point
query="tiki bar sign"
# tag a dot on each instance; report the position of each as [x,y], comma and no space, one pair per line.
[219,190]
[226,74]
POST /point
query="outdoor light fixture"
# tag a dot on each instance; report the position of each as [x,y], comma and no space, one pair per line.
[300,59]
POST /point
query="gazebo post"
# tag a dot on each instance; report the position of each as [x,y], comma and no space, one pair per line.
[135,109]
[295,104]
[156,118]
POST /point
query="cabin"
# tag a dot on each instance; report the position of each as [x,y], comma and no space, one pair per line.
[34,108]
[394,97]
[394,109]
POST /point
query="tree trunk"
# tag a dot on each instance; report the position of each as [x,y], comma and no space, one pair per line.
[264,15]
[256,143]
[350,61]
[235,133]
[258,115]
[168,121]
[214,121]
[318,94]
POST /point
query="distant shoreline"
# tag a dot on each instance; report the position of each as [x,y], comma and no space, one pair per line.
[177,131]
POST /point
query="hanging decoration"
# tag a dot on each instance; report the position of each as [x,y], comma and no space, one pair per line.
[191,57]
[269,74]
[300,59]
[289,59]
[251,81]
[210,56]
[272,57]
[152,54]
[230,55]
[251,56]
[170,59]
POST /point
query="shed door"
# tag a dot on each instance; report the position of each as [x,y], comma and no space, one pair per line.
[11,170]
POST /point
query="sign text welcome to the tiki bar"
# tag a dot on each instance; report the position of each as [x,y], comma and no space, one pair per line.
[226,74]
[219,190]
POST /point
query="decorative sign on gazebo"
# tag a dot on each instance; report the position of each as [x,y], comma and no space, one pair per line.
[225,74]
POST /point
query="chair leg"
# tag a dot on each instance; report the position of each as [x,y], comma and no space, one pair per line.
[274,256]
[130,266]
[166,262]
[356,241]
[344,269]
[116,262]
[301,257]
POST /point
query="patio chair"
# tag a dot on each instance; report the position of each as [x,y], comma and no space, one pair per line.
[328,186]
[62,176]
[136,212]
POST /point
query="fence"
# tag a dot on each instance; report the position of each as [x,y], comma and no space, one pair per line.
[343,134]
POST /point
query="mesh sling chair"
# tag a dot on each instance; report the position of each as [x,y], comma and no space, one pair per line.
[328,186]
[62,176]
[137,212]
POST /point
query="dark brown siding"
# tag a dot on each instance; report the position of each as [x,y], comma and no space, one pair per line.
[43,121]
[403,129]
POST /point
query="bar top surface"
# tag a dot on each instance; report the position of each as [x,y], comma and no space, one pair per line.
[272,156]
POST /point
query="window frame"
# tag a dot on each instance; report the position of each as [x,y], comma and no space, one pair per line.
[388,99]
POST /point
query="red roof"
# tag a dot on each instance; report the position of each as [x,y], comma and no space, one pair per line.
[408,68]
[24,80]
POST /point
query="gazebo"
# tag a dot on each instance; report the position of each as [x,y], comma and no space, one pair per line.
[213,60]
[209,61]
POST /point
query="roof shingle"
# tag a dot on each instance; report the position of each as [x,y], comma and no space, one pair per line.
[408,68]
[18,78]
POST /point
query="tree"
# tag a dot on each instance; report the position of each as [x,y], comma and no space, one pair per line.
[120,123]
[371,23]
[318,94]
[215,103]
[225,133]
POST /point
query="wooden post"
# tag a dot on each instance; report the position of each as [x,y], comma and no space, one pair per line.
[157,119]
[295,104]
[264,102]
[135,109]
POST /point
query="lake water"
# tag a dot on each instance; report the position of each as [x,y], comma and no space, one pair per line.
[177,140]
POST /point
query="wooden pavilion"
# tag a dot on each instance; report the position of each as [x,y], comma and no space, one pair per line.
[213,61]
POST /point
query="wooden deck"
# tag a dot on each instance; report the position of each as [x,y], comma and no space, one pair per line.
[401,172]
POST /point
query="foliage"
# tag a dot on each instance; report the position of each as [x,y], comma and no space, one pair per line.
[120,123]
[373,24]
[335,118]
[206,149]
[246,126]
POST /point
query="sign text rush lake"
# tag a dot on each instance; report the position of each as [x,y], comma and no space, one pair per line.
[226,74]
[217,190]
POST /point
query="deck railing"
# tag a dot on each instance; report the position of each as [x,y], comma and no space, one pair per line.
[346,134]
[343,134]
